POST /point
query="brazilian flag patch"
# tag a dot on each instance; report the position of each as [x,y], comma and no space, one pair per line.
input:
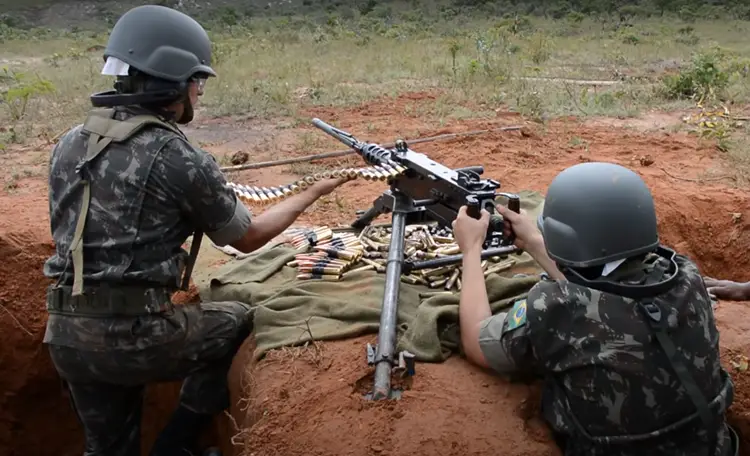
[517,315]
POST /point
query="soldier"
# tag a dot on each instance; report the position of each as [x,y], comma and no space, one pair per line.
[603,326]
[728,290]
[126,189]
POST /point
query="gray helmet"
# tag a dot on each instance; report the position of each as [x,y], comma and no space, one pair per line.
[161,42]
[595,213]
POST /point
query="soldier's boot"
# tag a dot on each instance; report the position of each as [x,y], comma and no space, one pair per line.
[180,435]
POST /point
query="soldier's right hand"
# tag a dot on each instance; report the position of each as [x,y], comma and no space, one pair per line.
[528,236]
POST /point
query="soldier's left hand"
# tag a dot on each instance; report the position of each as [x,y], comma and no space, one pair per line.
[470,232]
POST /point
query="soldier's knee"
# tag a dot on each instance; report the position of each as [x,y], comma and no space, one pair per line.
[239,313]
[238,309]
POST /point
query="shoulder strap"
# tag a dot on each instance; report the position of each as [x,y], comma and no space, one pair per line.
[103,129]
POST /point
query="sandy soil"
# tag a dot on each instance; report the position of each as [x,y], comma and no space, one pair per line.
[307,397]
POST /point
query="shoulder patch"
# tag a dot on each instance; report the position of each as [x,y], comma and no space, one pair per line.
[517,315]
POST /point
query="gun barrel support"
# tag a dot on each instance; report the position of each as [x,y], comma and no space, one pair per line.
[389,314]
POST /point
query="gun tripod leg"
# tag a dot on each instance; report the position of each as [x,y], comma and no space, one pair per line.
[386,356]
[378,208]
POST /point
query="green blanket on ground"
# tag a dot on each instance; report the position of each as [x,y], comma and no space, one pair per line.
[290,311]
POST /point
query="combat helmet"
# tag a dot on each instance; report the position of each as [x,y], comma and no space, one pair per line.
[596,213]
[161,42]
[154,51]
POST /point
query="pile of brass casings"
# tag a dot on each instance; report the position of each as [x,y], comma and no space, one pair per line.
[330,255]
[267,195]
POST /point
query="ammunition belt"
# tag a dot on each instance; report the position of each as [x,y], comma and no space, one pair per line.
[265,195]
[106,301]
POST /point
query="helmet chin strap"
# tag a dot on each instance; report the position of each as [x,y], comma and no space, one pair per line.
[187,110]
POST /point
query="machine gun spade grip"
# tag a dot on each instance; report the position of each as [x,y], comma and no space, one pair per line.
[472,207]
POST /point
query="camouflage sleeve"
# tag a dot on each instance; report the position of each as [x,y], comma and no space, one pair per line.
[505,341]
[194,179]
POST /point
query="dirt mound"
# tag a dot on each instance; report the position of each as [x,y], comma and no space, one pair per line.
[32,396]
[314,394]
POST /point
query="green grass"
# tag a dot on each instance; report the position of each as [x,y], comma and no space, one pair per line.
[274,66]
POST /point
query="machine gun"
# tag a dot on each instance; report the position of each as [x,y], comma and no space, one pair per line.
[421,190]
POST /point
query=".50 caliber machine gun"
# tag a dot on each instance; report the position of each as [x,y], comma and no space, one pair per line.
[422,190]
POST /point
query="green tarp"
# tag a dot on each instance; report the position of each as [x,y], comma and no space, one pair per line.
[290,311]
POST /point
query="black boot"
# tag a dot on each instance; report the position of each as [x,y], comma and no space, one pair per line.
[180,436]
[213,451]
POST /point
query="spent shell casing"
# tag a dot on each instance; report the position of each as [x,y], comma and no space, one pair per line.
[318,176]
[409,279]
[378,267]
[440,271]
[458,284]
[368,267]
[501,267]
[309,179]
[437,283]
[452,280]
[449,250]
[329,174]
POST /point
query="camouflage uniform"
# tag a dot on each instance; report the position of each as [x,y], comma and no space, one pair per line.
[606,375]
[148,194]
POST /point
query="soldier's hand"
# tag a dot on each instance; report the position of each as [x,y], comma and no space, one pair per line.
[728,290]
[528,236]
[470,232]
[326,186]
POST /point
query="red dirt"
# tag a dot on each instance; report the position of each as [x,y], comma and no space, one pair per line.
[451,408]
[697,218]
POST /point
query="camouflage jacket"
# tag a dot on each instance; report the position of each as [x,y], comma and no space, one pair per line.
[148,194]
[606,375]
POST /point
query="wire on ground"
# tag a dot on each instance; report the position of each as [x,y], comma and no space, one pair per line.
[341,153]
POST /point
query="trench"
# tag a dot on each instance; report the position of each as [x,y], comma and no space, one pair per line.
[298,390]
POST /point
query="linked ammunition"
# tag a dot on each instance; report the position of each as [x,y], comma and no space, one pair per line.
[267,195]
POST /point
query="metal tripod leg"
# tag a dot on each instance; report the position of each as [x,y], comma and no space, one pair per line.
[385,357]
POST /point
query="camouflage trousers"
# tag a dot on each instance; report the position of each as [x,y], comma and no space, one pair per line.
[107,386]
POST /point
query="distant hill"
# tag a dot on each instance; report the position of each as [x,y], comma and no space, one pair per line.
[94,14]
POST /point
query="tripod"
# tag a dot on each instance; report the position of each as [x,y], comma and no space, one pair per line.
[404,210]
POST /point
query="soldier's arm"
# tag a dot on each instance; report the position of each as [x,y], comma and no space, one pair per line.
[507,348]
[277,218]
[216,209]
[192,177]
[505,339]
